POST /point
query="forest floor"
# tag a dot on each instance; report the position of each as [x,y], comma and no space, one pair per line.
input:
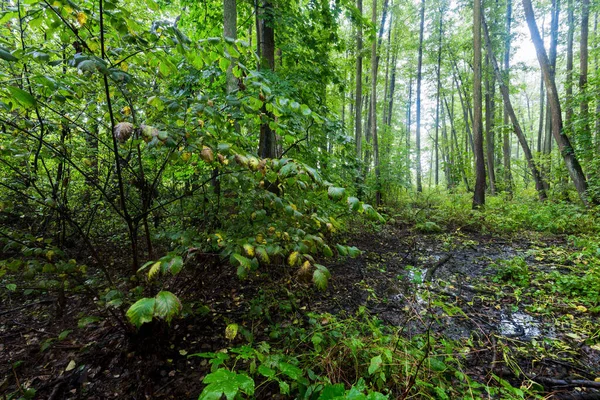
[480,290]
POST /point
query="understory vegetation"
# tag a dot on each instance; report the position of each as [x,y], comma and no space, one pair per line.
[276,199]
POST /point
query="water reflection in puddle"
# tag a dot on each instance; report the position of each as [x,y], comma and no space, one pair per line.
[519,324]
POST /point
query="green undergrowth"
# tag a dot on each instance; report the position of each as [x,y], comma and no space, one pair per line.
[435,211]
[328,357]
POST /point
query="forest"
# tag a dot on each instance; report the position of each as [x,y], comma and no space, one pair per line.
[310,199]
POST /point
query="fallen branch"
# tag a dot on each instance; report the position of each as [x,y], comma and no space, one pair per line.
[25,306]
[436,266]
[566,383]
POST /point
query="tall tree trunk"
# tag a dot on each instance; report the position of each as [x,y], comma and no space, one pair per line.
[537,177]
[267,147]
[562,140]
[408,128]
[358,97]
[230,32]
[419,70]
[569,78]
[490,84]
[437,102]
[374,66]
[584,112]
[479,193]
[454,140]
[552,58]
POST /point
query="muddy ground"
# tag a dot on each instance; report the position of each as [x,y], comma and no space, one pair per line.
[400,271]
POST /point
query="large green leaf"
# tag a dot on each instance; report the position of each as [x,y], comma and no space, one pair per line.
[167,305]
[141,311]
[6,55]
[336,193]
[22,97]
[225,382]
[290,370]
[376,363]
[320,279]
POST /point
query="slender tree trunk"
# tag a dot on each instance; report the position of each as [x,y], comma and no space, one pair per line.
[479,193]
[419,69]
[490,84]
[584,112]
[552,58]
[268,143]
[374,66]
[454,140]
[569,78]
[537,177]
[540,134]
[562,140]
[408,128]
[437,103]
[358,98]
[230,32]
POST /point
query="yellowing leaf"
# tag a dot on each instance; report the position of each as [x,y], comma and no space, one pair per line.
[249,249]
[231,331]
[293,258]
[71,366]
[595,347]
[154,270]
[581,308]
[81,18]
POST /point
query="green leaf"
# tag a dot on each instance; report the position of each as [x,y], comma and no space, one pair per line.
[167,305]
[327,251]
[141,311]
[332,391]
[6,55]
[290,370]
[175,265]
[336,193]
[228,383]
[305,110]
[231,331]
[262,255]
[22,97]
[343,250]
[376,363]
[11,286]
[85,321]
[437,365]
[224,64]
[354,203]
[353,251]
[63,335]
[266,371]
[320,279]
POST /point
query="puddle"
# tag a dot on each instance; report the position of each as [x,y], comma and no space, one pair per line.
[519,324]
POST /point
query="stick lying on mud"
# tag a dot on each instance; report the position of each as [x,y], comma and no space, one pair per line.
[25,306]
[436,266]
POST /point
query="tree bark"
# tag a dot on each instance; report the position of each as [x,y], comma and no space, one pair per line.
[437,103]
[267,147]
[562,140]
[230,32]
[479,193]
[490,84]
[374,66]
[537,177]
[569,78]
[358,97]
[584,111]
[419,70]
[506,150]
